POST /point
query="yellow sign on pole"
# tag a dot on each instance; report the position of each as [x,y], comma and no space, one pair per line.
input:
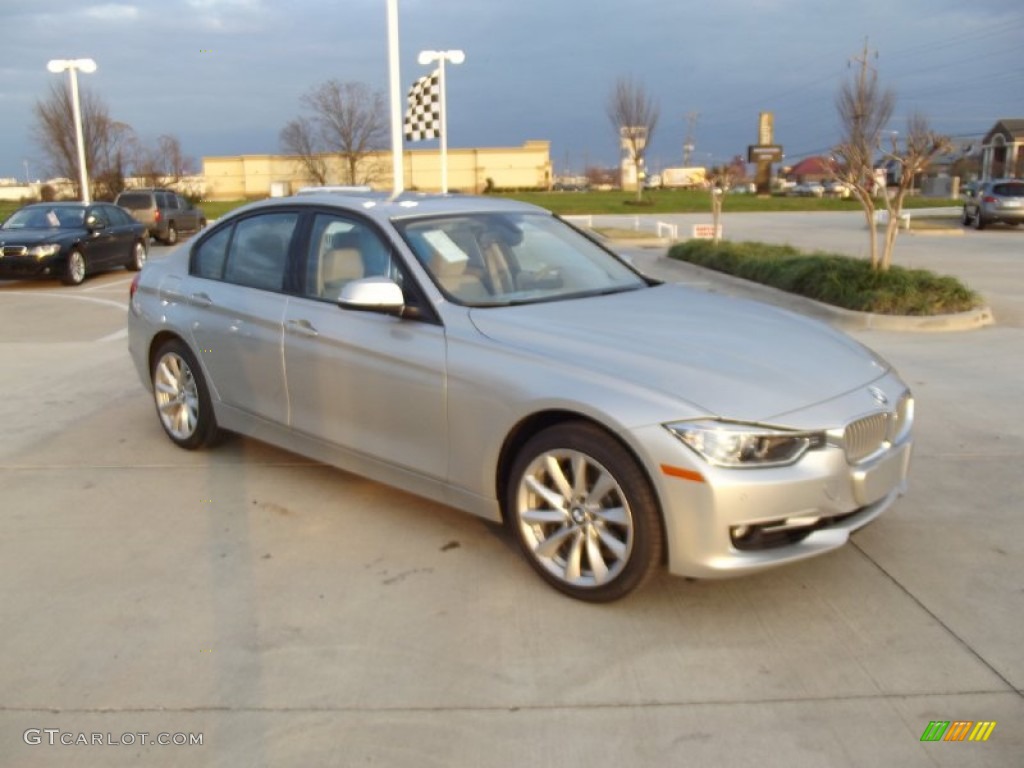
[764,130]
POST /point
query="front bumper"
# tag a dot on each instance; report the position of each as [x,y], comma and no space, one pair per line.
[723,522]
[13,267]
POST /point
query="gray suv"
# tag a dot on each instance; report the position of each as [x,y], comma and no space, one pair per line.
[164,212]
[991,201]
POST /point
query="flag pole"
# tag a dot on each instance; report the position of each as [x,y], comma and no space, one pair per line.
[444,126]
[397,166]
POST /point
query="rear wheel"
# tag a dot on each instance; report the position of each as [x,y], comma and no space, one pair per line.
[138,258]
[584,513]
[74,268]
[182,397]
[172,235]
[979,220]
[966,218]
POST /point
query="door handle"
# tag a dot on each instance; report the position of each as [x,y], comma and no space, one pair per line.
[200,300]
[302,328]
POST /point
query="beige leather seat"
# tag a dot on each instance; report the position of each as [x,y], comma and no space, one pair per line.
[341,264]
[459,279]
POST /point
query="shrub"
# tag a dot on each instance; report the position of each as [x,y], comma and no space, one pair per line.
[838,280]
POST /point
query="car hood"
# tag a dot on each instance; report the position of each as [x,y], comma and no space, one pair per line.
[35,236]
[727,357]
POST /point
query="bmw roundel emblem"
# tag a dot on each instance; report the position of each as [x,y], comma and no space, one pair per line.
[878,395]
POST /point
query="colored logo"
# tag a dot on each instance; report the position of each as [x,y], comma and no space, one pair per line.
[958,730]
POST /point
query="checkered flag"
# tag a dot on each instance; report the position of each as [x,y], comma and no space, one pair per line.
[423,116]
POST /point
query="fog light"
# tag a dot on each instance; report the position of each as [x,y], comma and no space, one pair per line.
[740,531]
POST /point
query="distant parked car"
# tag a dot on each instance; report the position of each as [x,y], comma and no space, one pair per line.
[70,240]
[837,189]
[807,189]
[163,212]
[992,201]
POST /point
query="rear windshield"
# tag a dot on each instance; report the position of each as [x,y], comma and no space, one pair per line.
[135,201]
[1016,189]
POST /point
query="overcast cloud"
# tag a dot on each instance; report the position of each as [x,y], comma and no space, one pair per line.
[224,76]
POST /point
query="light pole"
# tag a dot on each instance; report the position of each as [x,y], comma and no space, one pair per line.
[73,66]
[455,57]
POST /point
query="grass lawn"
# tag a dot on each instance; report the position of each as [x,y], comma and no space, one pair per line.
[617,202]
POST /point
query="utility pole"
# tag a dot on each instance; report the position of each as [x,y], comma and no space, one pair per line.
[691,136]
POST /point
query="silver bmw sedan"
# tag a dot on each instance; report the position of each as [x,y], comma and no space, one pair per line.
[487,355]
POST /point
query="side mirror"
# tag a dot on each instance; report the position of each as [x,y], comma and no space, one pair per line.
[372,294]
[94,223]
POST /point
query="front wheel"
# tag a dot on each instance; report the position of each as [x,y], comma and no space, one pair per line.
[74,269]
[584,513]
[182,397]
[966,218]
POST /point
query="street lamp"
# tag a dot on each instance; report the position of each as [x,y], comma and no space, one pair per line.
[455,57]
[73,66]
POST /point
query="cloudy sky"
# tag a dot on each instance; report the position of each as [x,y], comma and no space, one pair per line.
[224,76]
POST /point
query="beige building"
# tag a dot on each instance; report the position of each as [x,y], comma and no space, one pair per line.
[469,170]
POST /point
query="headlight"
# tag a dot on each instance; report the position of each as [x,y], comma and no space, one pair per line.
[42,251]
[731,444]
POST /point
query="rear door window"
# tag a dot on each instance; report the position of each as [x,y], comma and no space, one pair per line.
[1015,189]
[258,256]
[135,201]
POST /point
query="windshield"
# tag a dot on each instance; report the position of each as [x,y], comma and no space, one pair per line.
[46,217]
[496,259]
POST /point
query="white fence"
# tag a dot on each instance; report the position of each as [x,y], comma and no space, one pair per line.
[642,225]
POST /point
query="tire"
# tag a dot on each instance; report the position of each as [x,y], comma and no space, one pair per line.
[138,257]
[74,268]
[595,547]
[172,235]
[966,218]
[979,221]
[182,398]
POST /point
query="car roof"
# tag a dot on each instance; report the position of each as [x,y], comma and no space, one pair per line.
[383,207]
[65,204]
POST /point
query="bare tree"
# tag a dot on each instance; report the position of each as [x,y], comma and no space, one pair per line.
[164,163]
[634,116]
[177,164]
[864,110]
[299,138]
[723,178]
[912,157]
[347,119]
[107,142]
[113,159]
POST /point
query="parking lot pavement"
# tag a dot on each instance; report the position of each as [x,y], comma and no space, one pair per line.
[291,614]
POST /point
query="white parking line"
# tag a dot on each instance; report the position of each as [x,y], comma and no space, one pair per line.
[77,296]
[115,336]
[106,286]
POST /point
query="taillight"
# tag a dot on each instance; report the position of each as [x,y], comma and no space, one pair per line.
[134,287]
[157,217]
[990,200]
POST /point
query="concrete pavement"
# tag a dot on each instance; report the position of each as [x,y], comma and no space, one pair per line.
[291,614]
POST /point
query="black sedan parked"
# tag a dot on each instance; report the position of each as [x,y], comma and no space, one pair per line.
[70,240]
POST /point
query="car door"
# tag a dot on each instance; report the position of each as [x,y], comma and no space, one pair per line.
[372,383]
[100,241]
[122,232]
[188,216]
[236,294]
